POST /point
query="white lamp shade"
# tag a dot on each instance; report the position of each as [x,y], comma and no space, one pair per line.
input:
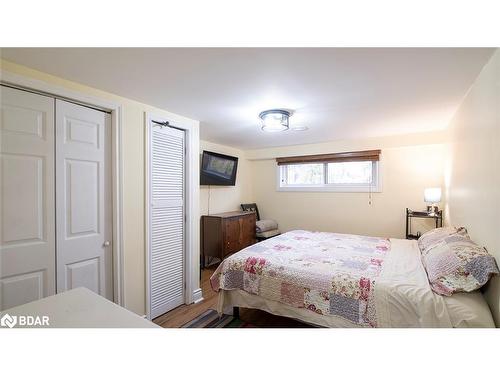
[432,195]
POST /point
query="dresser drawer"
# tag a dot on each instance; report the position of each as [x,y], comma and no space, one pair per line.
[231,236]
[247,234]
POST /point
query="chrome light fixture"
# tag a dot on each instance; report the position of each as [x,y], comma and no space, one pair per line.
[275,120]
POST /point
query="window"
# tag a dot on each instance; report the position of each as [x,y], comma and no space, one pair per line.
[304,174]
[355,174]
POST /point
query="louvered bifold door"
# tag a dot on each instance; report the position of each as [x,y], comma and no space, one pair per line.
[166,219]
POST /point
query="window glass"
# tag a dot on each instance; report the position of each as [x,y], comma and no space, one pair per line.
[304,174]
[354,172]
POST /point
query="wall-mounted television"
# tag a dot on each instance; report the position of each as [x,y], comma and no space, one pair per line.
[218,169]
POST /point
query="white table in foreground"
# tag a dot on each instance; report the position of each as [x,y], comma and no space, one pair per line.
[80,308]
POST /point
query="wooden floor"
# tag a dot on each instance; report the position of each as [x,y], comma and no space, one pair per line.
[185,313]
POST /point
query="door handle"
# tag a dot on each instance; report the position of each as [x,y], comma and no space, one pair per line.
[106,243]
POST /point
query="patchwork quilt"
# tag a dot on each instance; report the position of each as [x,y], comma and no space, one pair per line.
[327,273]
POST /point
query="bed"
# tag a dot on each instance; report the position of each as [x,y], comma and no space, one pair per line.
[340,280]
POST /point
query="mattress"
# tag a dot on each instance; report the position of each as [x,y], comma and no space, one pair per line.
[339,280]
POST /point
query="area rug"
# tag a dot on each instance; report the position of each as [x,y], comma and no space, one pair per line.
[211,319]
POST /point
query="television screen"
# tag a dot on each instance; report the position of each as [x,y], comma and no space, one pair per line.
[218,169]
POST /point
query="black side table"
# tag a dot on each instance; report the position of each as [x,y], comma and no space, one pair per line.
[437,216]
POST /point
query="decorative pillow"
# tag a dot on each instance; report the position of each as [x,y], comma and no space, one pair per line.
[433,237]
[265,225]
[457,264]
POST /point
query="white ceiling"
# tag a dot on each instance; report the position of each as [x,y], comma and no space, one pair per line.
[338,93]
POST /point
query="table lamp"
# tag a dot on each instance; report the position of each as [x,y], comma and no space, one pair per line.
[432,196]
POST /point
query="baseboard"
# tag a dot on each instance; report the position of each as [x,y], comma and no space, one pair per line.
[197,296]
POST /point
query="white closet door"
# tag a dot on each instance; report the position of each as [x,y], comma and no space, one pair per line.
[27,252]
[166,219]
[83,207]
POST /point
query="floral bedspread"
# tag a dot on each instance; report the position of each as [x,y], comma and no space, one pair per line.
[327,273]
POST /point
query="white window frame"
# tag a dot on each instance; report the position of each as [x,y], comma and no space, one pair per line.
[374,187]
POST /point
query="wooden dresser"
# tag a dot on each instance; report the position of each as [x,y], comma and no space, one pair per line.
[226,233]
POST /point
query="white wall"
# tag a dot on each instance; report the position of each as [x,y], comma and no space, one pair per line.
[472,176]
[227,198]
[405,172]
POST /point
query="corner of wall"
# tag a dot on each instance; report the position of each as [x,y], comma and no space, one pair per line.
[227,198]
[471,183]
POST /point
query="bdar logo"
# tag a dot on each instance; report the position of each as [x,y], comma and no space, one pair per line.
[8,321]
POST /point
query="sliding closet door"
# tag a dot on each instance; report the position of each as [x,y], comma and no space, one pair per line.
[83,188]
[166,219]
[27,253]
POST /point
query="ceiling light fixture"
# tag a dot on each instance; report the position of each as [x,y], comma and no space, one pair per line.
[275,120]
